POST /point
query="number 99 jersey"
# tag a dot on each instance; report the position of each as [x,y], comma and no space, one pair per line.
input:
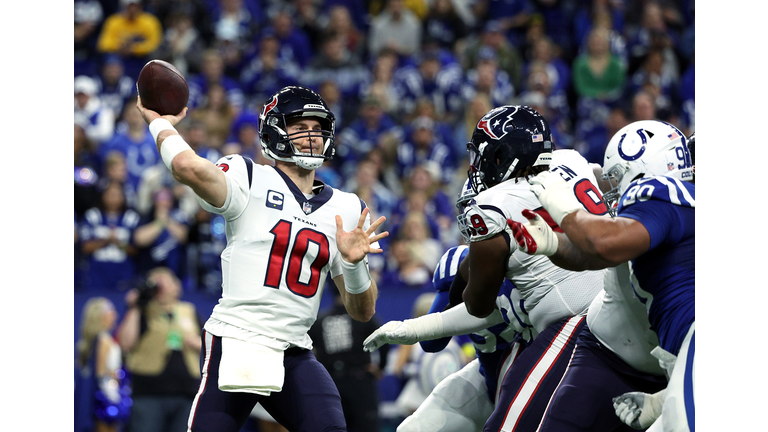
[280,248]
[534,275]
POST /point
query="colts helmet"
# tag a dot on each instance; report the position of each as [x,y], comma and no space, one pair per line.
[289,103]
[506,139]
[644,148]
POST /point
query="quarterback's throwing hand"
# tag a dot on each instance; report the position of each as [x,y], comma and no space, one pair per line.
[393,332]
[356,244]
[536,237]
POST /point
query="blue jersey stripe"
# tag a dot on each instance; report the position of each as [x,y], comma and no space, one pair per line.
[690,406]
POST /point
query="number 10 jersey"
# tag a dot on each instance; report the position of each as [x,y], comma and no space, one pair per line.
[280,248]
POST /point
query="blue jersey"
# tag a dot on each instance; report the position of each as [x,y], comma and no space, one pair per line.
[491,343]
[664,277]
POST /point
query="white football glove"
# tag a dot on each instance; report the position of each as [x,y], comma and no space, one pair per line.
[536,237]
[393,332]
[637,409]
[555,194]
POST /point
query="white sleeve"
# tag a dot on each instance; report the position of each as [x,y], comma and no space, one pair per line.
[453,322]
[238,172]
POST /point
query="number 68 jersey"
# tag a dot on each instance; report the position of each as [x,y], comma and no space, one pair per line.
[550,292]
[280,248]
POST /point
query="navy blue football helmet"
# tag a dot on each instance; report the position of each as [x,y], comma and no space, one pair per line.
[507,139]
[288,103]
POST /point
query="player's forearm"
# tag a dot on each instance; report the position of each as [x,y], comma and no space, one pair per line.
[453,322]
[572,258]
[205,179]
[487,268]
[362,307]
[600,239]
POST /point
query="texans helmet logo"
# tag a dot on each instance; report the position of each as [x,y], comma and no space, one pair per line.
[493,125]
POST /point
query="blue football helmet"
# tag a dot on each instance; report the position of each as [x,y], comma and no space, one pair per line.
[507,139]
[288,103]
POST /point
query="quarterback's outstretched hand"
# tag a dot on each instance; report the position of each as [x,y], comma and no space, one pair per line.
[356,244]
[393,332]
[150,115]
[555,194]
[536,237]
[638,410]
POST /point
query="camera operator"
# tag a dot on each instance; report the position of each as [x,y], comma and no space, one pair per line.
[161,338]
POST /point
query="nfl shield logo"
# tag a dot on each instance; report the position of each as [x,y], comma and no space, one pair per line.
[307,207]
[670,166]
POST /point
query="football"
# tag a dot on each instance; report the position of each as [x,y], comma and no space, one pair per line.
[162,88]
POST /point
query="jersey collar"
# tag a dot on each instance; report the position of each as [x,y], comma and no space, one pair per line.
[322,192]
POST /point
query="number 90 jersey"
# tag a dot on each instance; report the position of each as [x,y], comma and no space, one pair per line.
[280,248]
[550,292]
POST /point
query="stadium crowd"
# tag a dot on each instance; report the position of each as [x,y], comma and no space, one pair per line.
[407,80]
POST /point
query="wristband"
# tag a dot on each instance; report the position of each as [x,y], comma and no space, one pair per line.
[357,277]
[172,146]
[158,125]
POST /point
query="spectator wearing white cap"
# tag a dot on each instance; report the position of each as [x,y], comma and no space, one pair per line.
[97,120]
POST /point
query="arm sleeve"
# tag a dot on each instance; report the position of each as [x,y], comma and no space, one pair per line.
[453,322]
[238,172]
[435,345]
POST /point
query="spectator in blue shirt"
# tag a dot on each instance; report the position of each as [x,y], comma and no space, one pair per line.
[487,78]
[162,235]
[265,73]
[294,43]
[115,88]
[335,63]
[135,142]
[213,73]
[422,146]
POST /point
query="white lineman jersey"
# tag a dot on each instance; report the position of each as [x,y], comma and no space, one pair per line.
[620,322]
[550,292]
[280,248]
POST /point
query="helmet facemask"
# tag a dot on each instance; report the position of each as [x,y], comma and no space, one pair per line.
[284,149]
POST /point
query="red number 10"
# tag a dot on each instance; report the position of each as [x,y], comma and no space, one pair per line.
[277,258]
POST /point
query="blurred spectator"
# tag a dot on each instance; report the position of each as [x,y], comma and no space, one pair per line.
[160,335]
[102,394]
[363,134]
[337,343]
[425,108]
[560,128]
[653,73]
[97,119]
[367,186]
[416,229]
[207,239]
[217,114]
[607,15]
[114,87]
[598,73]
[343,109]
[245,132]
[162,235]
[131,33]
[200,12]
[182,45]
[86,172]
[487,78]
[89,17]
[265,74]
[418,7]
[294,43]
[335,63]
[308,19]
[106,237]
[340,22]
[653,33]
[135,142]
[383,85]
[437,207]
[115,169]
[397,28]
[559,17]
[643,106]
[687,96]
[507,55]
[196,135]
[476,108]
[558,72]
[431,79]
[553,100]
[513,15]
[422,146]
[444,25]
[405,267]
[592,136]
[213,73]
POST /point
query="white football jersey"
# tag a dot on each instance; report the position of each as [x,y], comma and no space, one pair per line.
[280,248]
[550,292]
[620,322]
